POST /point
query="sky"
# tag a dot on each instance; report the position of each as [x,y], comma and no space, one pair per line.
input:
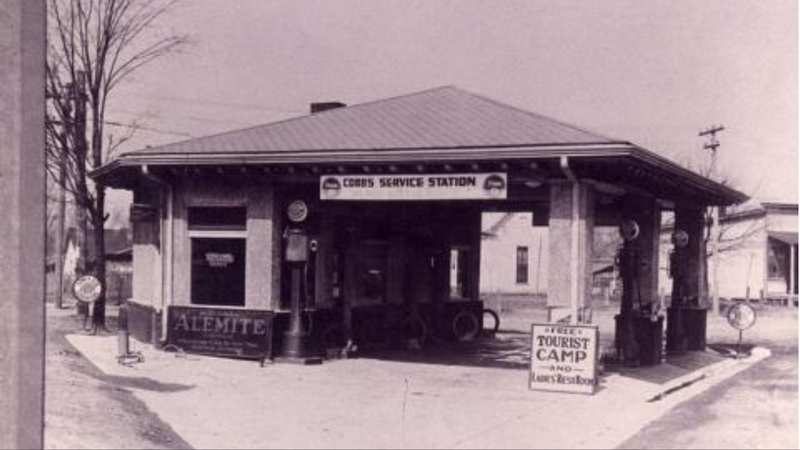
[651,72]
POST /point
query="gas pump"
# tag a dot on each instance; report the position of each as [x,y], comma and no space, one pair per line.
[298,251]
[677,340]
[628,264]
[677,267]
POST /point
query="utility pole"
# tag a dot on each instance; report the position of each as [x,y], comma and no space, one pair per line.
[713,145]
[63,142]
[60,220]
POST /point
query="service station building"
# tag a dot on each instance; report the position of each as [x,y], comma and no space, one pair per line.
[362,224]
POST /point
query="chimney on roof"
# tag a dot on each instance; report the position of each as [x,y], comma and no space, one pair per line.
[325,106]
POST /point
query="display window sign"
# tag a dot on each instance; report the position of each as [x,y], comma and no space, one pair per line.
[564,358]
[451,186]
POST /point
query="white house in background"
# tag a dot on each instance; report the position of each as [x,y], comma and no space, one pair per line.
[758,252]
[513,254]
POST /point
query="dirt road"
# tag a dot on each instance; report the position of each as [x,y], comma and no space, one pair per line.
[85,409]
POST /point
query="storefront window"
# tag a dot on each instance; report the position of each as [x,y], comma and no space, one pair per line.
[218,268]
[218,243]
[217,218]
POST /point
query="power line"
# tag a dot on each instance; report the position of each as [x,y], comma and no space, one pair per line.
[146,128]
[251,106]
[183,116]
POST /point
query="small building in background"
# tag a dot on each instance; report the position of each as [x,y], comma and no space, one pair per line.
[514,248]
[513,254]
[757,253]
[119,263]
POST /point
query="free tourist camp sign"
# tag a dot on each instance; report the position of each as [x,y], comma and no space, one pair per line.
[564,358]
[451,186]
[221,332]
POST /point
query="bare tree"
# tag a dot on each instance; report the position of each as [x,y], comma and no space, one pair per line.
[93,47]
[720,236]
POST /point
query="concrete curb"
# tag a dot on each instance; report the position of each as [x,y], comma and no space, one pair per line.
[712,374]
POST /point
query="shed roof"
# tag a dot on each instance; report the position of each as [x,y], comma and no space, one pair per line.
[441,124]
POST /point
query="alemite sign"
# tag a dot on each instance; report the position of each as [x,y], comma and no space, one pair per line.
[236,333]
[564,358]
[451,186]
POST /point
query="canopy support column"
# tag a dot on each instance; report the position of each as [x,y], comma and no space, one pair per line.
[571,244]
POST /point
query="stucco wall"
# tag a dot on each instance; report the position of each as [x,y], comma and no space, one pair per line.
[147,251]
[262,268]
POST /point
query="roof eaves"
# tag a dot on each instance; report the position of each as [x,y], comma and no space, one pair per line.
[725,193]
[369,155]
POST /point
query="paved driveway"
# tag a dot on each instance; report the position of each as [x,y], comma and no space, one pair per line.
[480,401]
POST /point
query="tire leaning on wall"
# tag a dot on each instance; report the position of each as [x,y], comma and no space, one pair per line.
[466,326]
[495,320]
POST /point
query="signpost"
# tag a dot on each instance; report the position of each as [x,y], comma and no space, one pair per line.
[451,186]
[234,333]
[741,316]
[87,289]
[564,358]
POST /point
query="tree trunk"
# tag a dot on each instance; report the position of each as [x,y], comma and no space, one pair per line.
[59,250]
[98,229]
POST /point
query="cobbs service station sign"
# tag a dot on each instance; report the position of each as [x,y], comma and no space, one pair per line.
[564,358]
[451,186]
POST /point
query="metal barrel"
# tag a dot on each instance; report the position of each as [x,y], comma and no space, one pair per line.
[123,338]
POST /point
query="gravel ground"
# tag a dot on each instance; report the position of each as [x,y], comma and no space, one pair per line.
[84,408]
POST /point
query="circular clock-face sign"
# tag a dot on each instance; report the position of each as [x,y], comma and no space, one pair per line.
[87,288]
[629,230]
[742,316]
[297,211]
[680,238]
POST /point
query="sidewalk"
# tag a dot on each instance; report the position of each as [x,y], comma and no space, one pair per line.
[367,403]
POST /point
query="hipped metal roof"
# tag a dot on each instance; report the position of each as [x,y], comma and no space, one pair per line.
[445,123]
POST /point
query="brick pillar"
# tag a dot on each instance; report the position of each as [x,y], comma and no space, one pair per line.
[22,62]
[563,286]
[686,320]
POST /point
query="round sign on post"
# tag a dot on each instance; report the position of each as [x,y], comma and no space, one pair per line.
[87,289]
[742,316]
